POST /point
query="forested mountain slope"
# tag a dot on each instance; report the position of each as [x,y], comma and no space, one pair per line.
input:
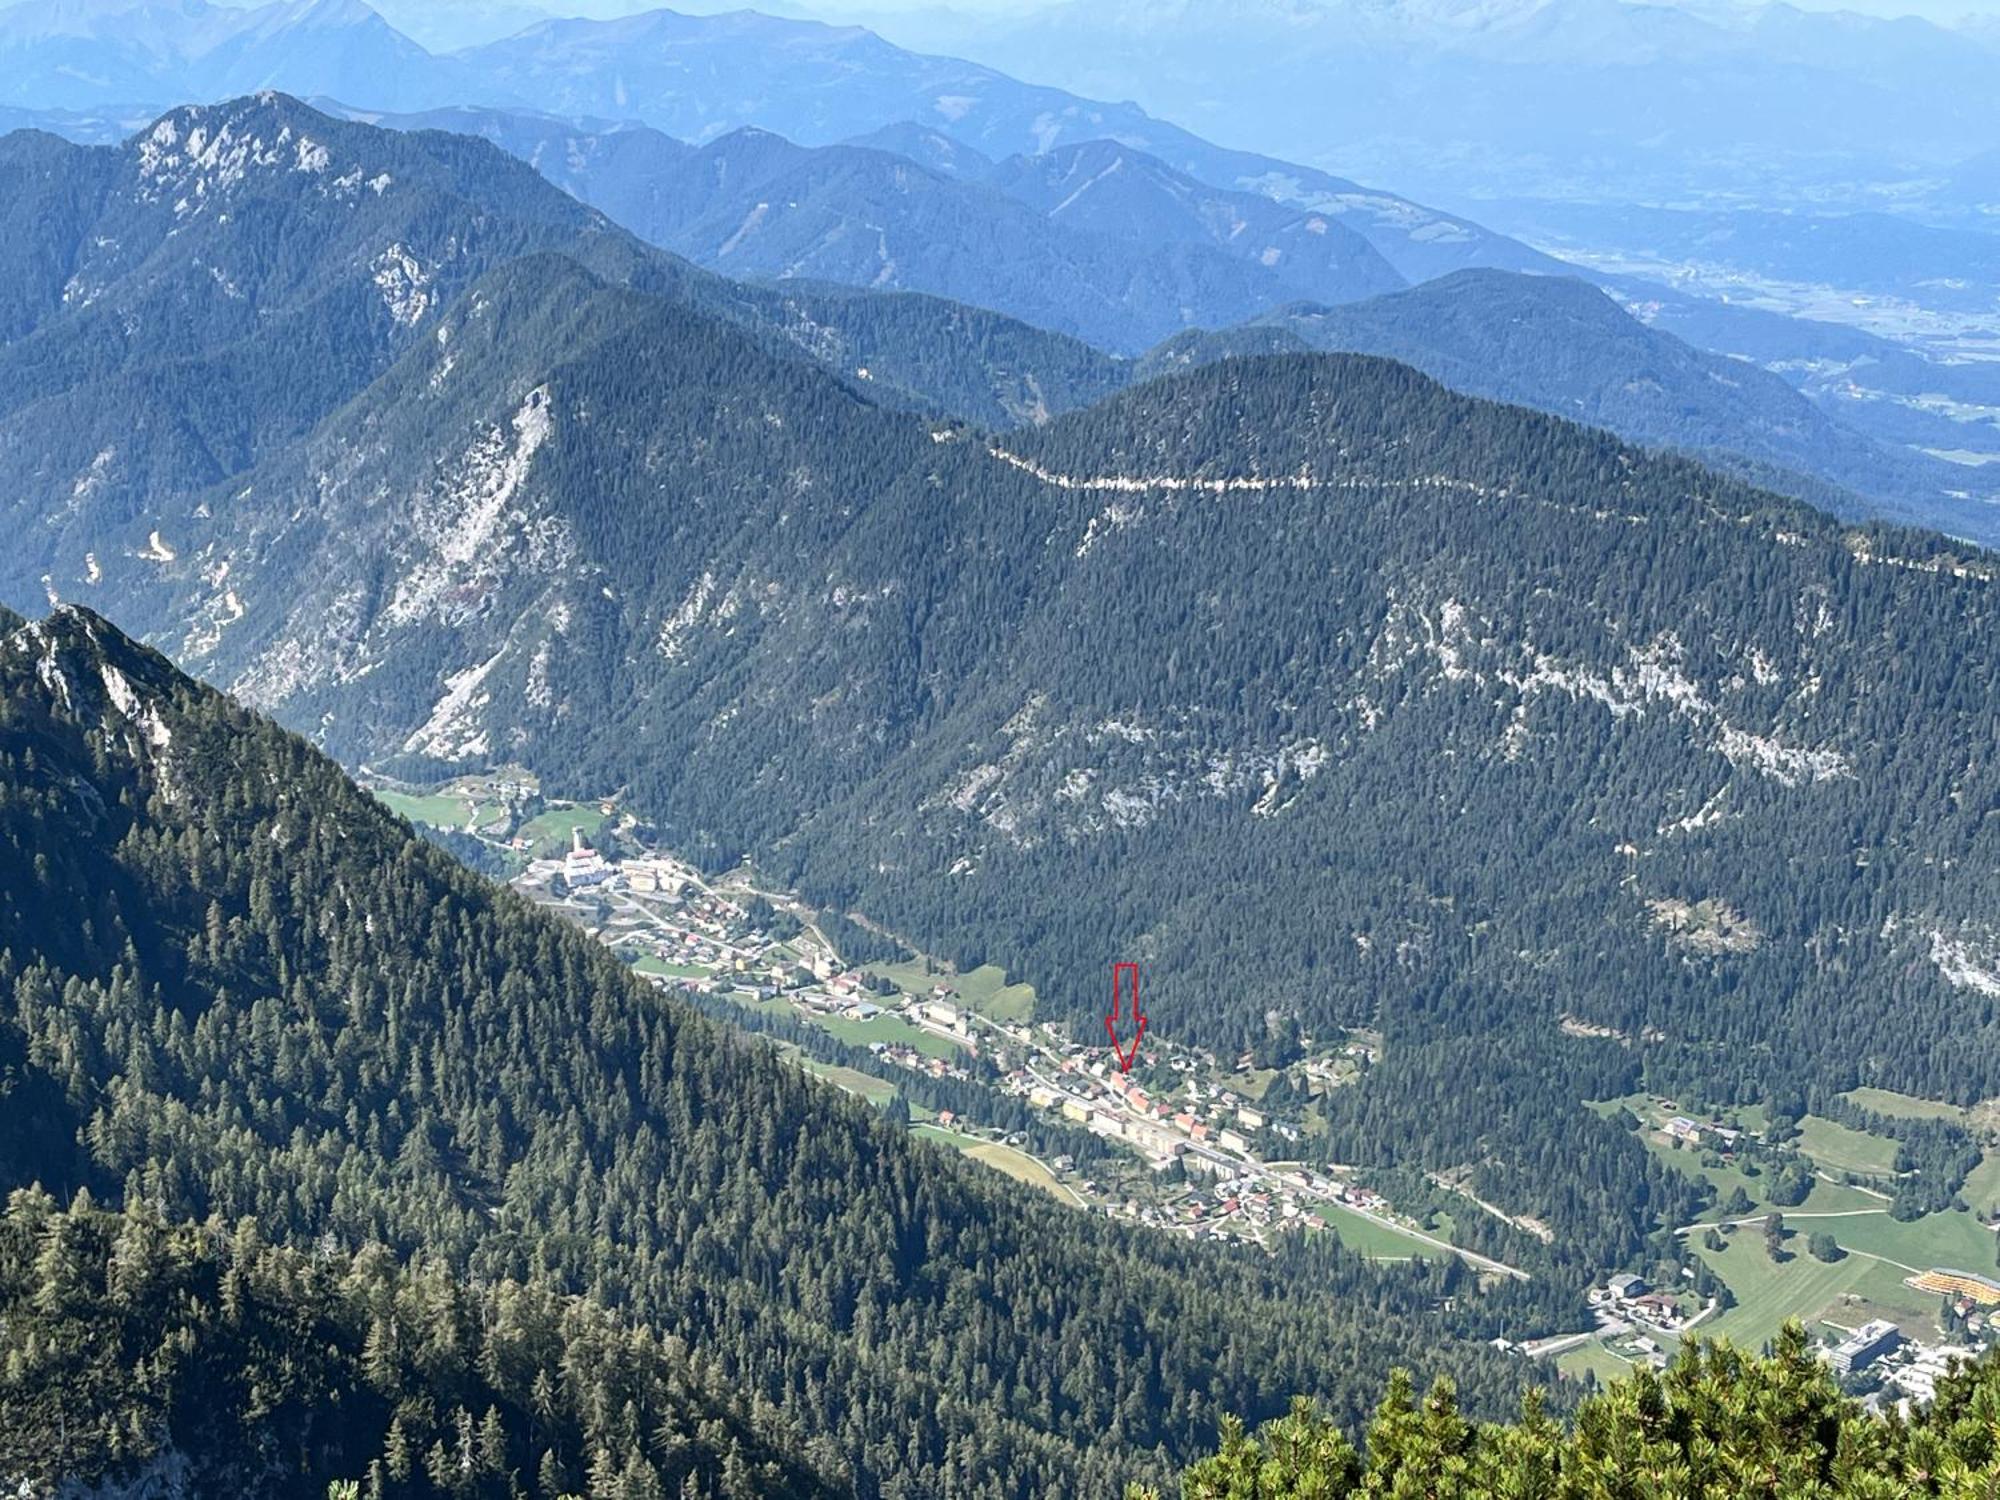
[1562,346]
[198,1359]
[234,985]
[178,308]
[1476,701]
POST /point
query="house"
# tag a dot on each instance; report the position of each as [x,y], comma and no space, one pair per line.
[1681,1128]
[1626,1286]
[1233,1141]
[1249,1118]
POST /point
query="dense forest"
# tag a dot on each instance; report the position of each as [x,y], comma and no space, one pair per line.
[238,989]
[1717,1422]
[200,1356]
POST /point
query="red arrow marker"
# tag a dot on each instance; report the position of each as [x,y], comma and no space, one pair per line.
[1124,981]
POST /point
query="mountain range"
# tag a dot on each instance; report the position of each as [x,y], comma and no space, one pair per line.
[585,511]
[177,307]
[1129,252]
[822,86]
[1561,346]
[1096,241]
[813,84]
[1007,535]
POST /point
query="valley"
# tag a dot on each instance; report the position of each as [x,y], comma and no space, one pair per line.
[1179,1144]
[1194,1145]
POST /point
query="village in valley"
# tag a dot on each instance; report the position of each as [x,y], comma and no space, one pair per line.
[1191,1144]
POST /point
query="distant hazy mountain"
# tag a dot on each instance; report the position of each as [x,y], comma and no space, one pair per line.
[928,147]
[104,127]
[1600,98]
[83,54]
[1099,241]
[697,77]
[1106,188]
[1562,346]
[693,77]
[621,168]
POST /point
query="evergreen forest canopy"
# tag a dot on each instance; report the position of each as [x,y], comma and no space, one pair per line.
[368,1171]
[1717,1422]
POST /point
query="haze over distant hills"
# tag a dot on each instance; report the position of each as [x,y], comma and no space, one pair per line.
[1114,246]
[1562,98]
[1098,241]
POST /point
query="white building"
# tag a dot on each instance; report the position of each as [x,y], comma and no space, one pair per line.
[583,865]
[1864,1346]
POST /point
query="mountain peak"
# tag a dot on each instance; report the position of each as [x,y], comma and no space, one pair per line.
[93,674]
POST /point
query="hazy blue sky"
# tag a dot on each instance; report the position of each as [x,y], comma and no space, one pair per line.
[1943,10]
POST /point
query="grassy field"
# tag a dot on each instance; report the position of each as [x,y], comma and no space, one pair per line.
[987,991]
[1365,1237]
[874,1090]
[1593,1358]
[1002,1158]
[893,1029]
[1982,1187]
[984,990]
[1251,1084]
[553,827]
[1825,1197]
[911,978]
[438,811]
[1804,1288]
[1953,1240]
[1868,1282]
[1019,1166]
[1904,1106]
[776,1005]
[1837,1149]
